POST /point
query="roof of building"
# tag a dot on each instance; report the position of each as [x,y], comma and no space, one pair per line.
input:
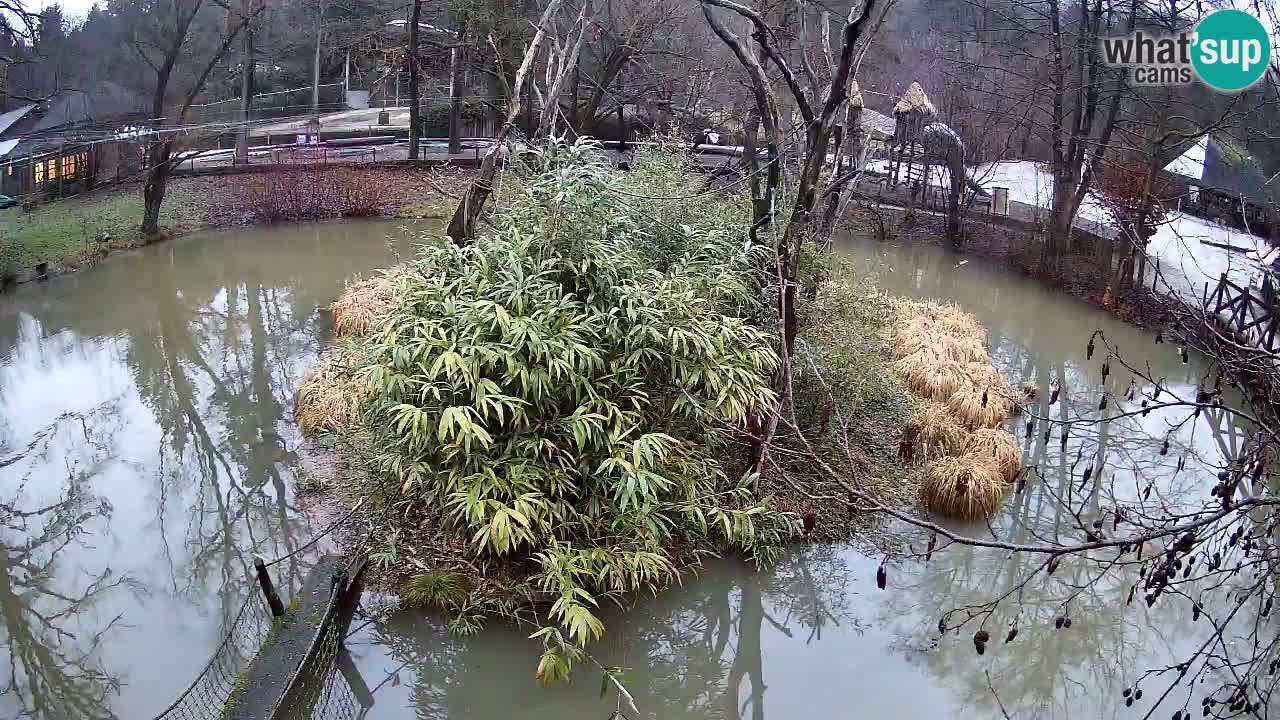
[878,123]
[1215,163]
[1236,174]
[8,119]
[105,101]
[1190,164]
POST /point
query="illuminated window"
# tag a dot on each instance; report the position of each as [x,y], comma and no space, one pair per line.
[69,166]
[10,169]
[39,173]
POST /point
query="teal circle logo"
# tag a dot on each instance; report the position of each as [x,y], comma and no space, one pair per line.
[1231,49]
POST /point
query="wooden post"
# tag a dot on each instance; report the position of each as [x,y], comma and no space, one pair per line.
[268,589]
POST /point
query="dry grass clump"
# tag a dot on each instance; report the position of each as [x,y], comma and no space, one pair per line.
[931,376]
[980,406]
[999,447]
[942,357]
[357,311]
[938,431]
[957,347]
[955,320]
[329,397]
[967,487]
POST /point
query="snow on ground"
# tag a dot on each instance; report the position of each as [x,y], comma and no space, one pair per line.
[1185,261]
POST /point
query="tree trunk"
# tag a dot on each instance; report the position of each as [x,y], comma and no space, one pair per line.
[463,223]
[415,122]
[455,96]
[315,64]
[246,99]
[154,186]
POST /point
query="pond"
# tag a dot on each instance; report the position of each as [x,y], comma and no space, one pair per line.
[147,451]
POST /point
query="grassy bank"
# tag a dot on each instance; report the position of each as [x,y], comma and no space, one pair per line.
[81,230]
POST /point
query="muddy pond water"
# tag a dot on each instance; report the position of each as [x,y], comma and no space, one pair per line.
[147,451]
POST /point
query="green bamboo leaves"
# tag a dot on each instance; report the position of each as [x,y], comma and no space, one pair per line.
[560,388]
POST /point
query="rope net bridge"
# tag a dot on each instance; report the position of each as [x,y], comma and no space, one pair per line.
[278,663]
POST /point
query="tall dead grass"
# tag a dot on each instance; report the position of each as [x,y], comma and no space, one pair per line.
[942,357]
[329,396]
[967,487]
[357,310]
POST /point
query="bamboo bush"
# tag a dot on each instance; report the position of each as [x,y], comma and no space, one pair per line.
[557,392]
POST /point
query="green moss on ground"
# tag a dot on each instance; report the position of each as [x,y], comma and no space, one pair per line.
[850,404]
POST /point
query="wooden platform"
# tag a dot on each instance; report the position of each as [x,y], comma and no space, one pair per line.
[260,689]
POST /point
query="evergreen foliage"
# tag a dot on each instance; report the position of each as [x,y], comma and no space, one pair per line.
[561,390]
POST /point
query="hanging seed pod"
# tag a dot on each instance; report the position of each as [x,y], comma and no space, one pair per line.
[1066,622]
[1088,350]
[1164,448]
[933,543]
[1126,692]
[1097,524]
[980,639]
[1266,607]
[1159,338]
[1087,472]
[1063,440]
[1146,494]
[942,626]
[1195,611]
[1102,405]
[1186,543]
[1131,390]
[1177,714]
[882,577]
[1047,433]
[1137,693]
[1053,565]
[1031,426]
[1013,633]
[1155,394]
[1053,396]
[1106,369]
[1128,702]
[1182,462]
[1059,622]
[1145,409]
[1131,591]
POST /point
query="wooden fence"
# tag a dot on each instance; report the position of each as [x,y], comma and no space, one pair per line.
[1248,313]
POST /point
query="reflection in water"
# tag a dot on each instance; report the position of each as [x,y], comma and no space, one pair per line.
[52,636]
[814,638]
[147,430]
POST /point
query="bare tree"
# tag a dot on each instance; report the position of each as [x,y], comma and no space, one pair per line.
[462,225]
[181,42]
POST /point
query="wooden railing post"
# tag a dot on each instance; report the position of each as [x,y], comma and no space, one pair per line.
[268,588]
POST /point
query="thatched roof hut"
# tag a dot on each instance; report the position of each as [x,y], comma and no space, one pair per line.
[914,100]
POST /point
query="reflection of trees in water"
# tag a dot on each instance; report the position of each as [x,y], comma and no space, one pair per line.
[215,344]
[216,360]
[693,652]
[52,632]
